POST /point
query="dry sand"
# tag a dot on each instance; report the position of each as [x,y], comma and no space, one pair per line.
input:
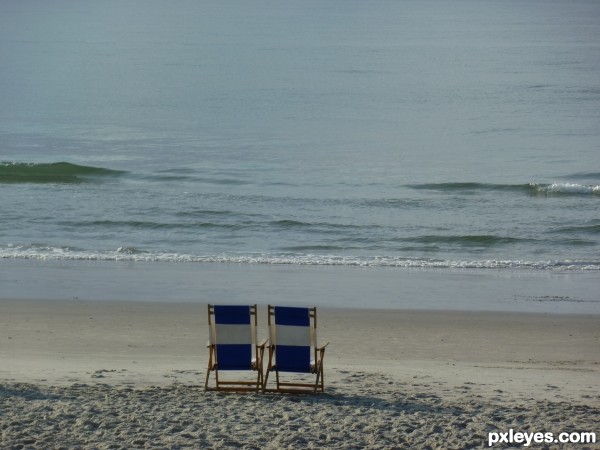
[78,374]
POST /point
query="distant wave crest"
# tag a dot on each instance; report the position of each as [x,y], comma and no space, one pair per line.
[529,188]
[58,172]
[569,189]
[584,176]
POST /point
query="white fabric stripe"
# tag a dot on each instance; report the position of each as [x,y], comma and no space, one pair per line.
[292,335]
[272,334]
[233,334]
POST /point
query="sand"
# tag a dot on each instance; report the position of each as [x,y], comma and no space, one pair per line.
[109,374]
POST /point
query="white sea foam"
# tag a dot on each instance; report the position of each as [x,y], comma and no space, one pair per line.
[134,255]
[573,188]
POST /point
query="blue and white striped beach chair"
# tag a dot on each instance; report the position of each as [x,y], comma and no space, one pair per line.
[233,346]
[293,348]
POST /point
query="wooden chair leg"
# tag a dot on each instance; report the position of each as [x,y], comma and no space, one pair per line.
[209,368]
[206,382]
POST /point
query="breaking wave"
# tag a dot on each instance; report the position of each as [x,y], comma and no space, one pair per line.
[132,254]
[529,188]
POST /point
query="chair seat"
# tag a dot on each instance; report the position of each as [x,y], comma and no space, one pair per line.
[313,368]
[253,365]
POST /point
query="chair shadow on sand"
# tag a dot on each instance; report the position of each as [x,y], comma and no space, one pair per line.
[342,393]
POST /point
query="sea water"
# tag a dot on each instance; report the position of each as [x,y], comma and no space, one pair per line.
[458,135]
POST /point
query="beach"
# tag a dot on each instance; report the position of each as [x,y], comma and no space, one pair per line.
[425,173]
[122,374]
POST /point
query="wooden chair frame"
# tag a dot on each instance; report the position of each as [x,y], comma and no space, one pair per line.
[213,364]
[315,369]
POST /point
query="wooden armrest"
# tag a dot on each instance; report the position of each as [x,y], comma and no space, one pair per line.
[322,347]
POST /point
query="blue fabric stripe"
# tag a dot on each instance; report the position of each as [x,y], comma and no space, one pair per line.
[292,358]
[227,314]
[234,357]
[285,315]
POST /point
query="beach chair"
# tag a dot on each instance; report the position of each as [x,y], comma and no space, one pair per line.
[233,346]
[293,348]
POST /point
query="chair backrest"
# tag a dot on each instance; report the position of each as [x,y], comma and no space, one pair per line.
[294,337]
[233,332]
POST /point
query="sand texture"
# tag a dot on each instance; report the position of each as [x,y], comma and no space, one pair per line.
[125,375]
[360,411]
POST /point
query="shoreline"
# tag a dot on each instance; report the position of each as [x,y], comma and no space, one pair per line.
[324,286]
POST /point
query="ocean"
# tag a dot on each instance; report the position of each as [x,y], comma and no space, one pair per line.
[454,135]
